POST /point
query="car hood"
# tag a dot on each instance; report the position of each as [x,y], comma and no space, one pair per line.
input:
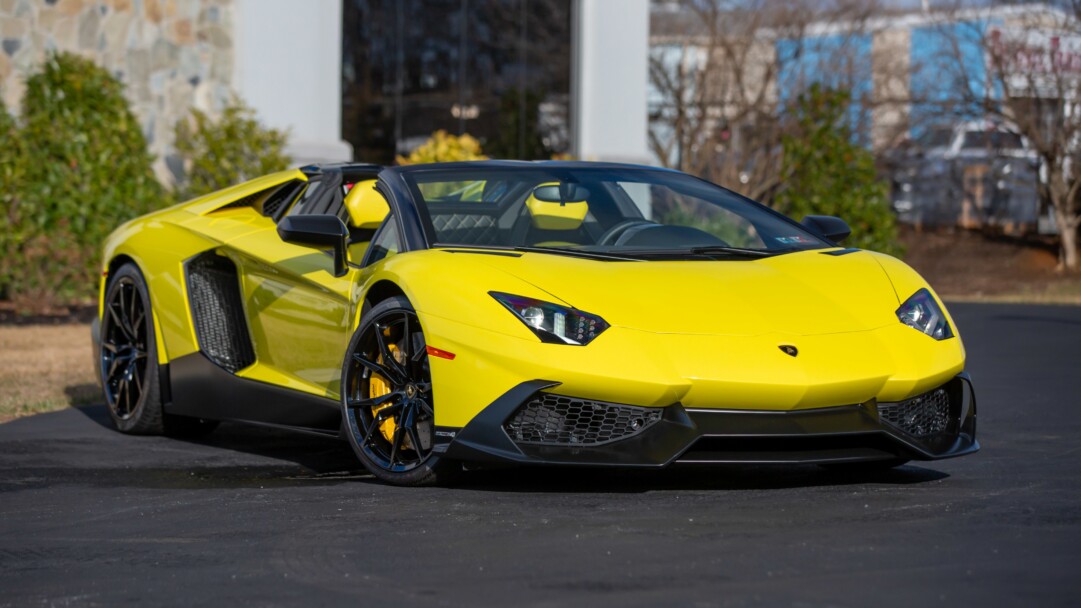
[802,293]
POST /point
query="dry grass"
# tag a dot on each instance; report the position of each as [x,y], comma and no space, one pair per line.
[45,368]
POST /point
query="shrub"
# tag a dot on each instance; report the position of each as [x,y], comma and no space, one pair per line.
[12,166]
[443,147]
[828,174]
[87,170]
[222,152]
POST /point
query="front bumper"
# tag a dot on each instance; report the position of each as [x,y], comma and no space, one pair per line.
[845,433]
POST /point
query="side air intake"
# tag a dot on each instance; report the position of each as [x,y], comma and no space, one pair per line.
[218,312]
[550,419]
[923,416]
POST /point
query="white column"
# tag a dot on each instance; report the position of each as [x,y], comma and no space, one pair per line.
[611,77]
[289,68]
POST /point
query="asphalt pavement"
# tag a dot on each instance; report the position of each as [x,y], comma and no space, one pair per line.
[250,516]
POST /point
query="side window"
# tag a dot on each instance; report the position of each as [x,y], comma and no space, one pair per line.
[385,243]
[303,205]
[323,196]
[280,198]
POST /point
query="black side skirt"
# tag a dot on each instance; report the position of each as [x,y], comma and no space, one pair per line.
[201,389]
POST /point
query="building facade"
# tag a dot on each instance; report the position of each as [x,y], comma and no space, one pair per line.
[362,79]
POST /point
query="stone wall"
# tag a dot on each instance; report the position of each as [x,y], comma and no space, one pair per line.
[171,55]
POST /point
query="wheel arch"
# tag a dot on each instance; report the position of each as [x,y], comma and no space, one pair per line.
[382,289]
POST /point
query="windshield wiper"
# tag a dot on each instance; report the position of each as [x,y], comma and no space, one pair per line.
[755,253]
[579,253]
[703,252]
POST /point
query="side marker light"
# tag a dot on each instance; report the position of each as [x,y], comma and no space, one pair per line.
[442,354]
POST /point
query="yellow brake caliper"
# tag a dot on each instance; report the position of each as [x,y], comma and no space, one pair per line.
[379,386]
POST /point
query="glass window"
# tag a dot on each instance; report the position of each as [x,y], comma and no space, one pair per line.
[498,70]
[995,140]
[386,241]
[306,200]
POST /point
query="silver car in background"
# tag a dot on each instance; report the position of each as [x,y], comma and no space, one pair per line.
[977,175]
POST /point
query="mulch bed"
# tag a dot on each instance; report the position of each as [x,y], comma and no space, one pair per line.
[79,313]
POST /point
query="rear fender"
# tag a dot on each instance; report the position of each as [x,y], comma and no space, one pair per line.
[159,249]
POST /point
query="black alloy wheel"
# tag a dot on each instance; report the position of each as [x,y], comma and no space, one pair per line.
[128,360]
[387,404]
[128,357]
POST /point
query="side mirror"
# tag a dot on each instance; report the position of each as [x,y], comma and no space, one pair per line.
[833,228]
[318,231]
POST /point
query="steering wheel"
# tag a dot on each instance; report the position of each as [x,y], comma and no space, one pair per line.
[611,235]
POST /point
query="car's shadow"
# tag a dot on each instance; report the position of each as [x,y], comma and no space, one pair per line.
[685,477]
[332,460]
[315,454]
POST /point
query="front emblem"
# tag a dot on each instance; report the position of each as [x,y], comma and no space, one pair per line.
[789,350]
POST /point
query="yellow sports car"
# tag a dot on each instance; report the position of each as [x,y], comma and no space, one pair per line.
[564,313]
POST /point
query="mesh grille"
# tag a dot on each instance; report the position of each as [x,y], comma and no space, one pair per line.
[246,201]
[218,313]
[280,197]
[273,204]
[549,419]
[922,416]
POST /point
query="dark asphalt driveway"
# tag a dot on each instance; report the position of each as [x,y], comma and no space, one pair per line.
[251,516]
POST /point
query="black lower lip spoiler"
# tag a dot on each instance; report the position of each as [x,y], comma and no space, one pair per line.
[847,433]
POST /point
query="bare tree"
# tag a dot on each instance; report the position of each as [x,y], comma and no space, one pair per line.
[1029,75]
[724,71]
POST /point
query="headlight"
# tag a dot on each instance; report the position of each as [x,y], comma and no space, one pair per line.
[551,322]
[923,313]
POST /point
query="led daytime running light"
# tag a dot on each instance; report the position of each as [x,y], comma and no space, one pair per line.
[922,313]
[553,323]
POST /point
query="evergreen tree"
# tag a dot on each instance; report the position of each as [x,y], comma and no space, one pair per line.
[87,170]
[226,151]
[828,174]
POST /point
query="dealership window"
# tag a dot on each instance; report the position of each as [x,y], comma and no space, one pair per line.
[498,70]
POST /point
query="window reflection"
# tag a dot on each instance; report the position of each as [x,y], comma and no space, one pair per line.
[496,69]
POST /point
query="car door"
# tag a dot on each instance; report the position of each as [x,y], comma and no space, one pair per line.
[298,312]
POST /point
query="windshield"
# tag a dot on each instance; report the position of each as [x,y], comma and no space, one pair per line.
[603,211]
[996,140]
[936,138]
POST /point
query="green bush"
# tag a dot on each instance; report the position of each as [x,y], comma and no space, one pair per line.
[86,170]
[226,151]
[828,174]
[442,147]
[12,166]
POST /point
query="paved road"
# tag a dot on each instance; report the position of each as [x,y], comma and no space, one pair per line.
[250,516]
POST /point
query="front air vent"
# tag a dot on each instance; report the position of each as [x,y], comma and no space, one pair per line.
[549,419]
[924,416]
[217,311]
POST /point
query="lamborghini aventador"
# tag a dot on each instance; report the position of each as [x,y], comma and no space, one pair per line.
[558,313]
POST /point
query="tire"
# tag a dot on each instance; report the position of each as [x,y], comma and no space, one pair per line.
[128,355]
[387,406]
[871,466]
